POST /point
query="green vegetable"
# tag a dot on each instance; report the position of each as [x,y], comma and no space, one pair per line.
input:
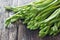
[13,18]
[40,8]
[53,16]
[55,29]
[42,14]
[43,32]
[36,23]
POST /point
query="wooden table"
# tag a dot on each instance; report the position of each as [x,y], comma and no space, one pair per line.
[17,31]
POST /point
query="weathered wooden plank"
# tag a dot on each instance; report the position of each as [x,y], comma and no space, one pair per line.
[13,27]
[7,34]
[4,32]
[24,2]
[0,34]
[22,32]
[13,32]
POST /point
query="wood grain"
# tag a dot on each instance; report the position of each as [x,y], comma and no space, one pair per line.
[11,32]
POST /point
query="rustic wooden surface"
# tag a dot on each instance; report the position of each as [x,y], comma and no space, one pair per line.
[17,31]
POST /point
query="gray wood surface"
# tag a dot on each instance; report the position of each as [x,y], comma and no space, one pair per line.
[11,33]
[17,31]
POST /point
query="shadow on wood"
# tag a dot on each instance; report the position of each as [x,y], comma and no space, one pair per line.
[26,34]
